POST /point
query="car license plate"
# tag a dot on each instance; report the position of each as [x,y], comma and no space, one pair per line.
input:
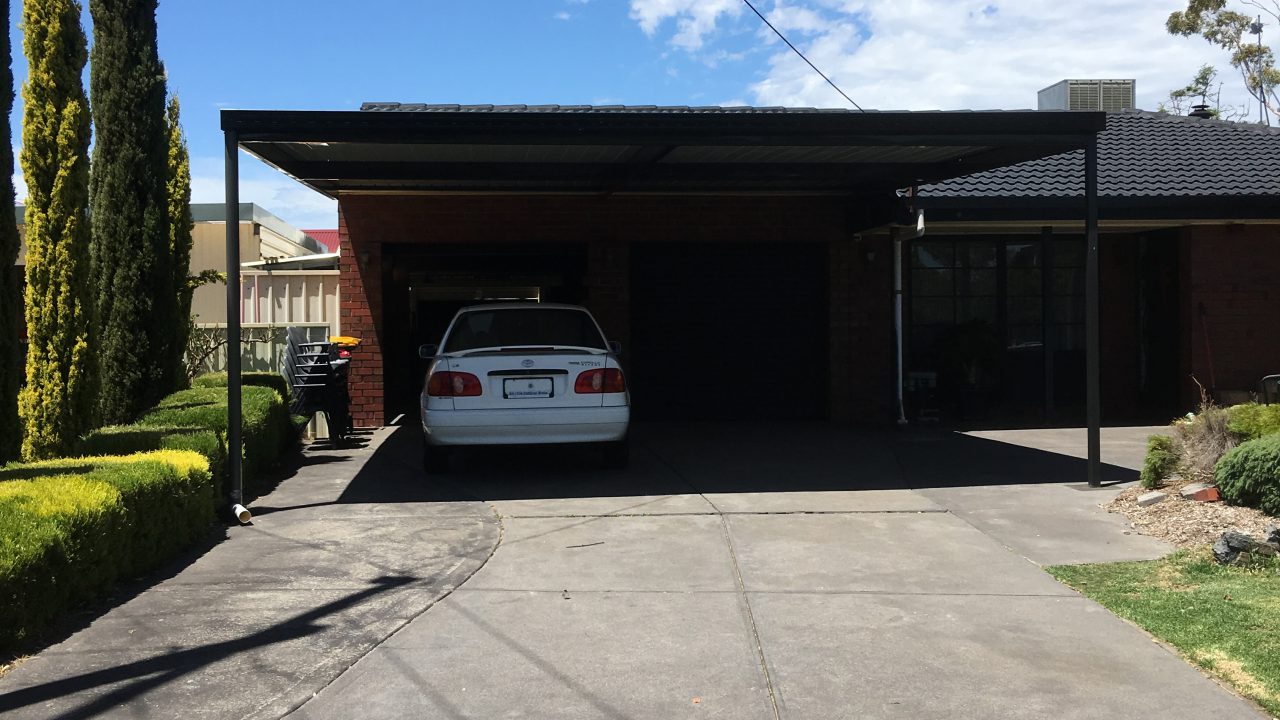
[526,388]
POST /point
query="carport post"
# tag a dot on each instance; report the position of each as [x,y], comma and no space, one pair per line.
[233,315]
[1092,339]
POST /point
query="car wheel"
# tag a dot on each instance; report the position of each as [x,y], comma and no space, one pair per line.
[617,454]
[435,459]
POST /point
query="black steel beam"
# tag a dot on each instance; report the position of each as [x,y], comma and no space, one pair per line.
[232,200]
[1092,305]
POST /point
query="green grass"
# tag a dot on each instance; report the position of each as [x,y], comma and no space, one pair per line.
[1224,619]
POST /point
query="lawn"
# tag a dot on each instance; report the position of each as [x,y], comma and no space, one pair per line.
[1224,619]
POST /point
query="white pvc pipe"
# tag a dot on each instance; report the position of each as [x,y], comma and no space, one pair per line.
[241,514]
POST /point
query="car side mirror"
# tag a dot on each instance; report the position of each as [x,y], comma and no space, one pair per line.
[426,352]
[615,347]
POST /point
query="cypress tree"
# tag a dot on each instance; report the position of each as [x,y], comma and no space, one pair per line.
[131,262]
[57,402]
[180,224]
[10,281]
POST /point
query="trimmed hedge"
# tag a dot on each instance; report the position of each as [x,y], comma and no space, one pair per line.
[69,528]
[1251,421]
[1161,461]
[267,430]
[1250,474]
[196,419]
[274,381]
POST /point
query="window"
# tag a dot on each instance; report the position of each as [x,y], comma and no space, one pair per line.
[523,327]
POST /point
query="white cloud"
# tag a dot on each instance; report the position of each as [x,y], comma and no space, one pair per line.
[562,15]
[695,19]
[949,54]
[279,195]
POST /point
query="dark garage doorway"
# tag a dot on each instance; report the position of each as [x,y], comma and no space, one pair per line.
[729,331]
[424,285]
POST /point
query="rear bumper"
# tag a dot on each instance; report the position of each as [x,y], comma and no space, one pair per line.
[526,427]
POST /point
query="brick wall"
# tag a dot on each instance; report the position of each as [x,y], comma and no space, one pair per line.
[861,350]
[1231,291]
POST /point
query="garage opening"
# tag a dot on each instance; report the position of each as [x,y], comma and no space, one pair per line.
[729,331]
[423,286]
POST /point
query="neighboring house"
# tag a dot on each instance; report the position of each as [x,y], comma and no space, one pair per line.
[1190,277]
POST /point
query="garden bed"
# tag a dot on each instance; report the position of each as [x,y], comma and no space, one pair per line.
[1186,523]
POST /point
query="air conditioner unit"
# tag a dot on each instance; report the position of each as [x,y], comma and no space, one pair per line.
[1105,95]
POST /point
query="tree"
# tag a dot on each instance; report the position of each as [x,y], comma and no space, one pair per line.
[132,262]
[178,195]
[1204,89]
[10,281]
[1231,31]
[57,402]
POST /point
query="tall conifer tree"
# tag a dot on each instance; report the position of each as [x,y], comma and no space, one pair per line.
[57,402]
[132,263]
[180,225]
[10,280]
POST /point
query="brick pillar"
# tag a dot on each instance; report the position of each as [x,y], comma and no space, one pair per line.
[360,315]
[608,285]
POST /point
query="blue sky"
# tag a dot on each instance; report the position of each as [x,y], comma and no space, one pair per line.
[895,54]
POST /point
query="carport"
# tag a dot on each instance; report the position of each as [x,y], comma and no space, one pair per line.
[729,238]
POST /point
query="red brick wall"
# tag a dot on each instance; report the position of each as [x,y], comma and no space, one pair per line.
[861,343]
[1231,294]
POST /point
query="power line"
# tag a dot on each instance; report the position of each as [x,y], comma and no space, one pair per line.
[802,57]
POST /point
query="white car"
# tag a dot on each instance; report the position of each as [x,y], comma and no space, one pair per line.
[523,374]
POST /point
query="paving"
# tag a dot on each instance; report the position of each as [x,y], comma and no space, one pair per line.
[733,571]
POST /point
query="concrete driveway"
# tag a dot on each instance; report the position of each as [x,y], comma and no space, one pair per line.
[742,571]
[734,571]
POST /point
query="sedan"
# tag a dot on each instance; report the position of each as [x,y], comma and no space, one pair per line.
[523,374]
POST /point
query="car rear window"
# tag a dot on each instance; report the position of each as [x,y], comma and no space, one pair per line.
[515,327]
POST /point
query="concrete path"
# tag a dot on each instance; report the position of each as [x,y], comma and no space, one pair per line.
[734,571]
[339,557]
[716,579]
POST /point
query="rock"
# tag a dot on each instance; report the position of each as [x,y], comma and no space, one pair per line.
[1222,552]
[1236,546]
[1151,498]
[1273,534]
[1189,490]
[1209,494]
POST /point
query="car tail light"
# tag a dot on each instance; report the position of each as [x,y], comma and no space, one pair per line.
[609,380]
[453,384]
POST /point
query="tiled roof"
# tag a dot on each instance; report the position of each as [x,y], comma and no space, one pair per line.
[616,109]
[1142,154]
[327,238]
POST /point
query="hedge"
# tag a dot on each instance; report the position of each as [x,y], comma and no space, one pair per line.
[1249,474]
[1251,421]
[69,528]
[272,380]
[196,419]
[266,428]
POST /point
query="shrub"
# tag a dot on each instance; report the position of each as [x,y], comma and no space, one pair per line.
[267,431]
[71,527]
[1250,474]
[1251,421]
[128,439]
[274,381]
[1203,439]
[1161,461]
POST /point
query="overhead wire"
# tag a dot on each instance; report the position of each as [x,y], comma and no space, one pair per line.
[802,57]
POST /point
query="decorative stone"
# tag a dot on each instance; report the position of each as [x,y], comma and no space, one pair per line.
[1273,534]
[1151,498]
[1236,546]
[1209,494]
[1188,491]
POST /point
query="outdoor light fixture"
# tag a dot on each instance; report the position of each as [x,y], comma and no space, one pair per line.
[362,258]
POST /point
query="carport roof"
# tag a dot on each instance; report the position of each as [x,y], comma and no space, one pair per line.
[393,147]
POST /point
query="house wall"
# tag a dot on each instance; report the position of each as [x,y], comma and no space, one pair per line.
[860,347]
[1231,297]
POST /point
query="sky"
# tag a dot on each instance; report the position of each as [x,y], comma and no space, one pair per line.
[885,54]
